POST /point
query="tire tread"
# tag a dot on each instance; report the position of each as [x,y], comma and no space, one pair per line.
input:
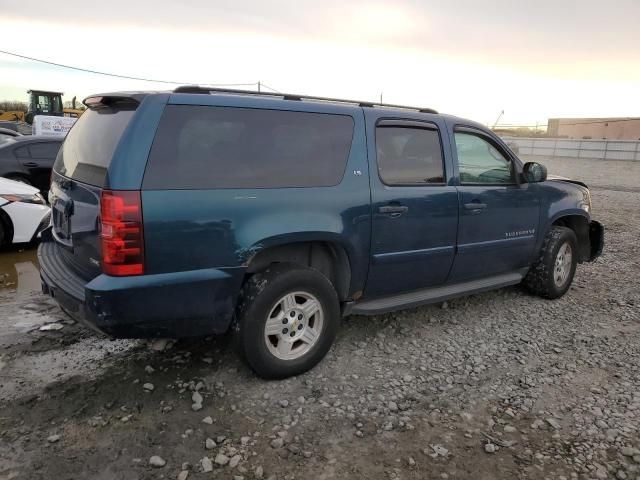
[257,289]
[539,278]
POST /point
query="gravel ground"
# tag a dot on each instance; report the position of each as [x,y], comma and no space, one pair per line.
[500,385]
[610,174]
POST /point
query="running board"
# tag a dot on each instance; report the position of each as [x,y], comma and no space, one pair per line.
[435,294]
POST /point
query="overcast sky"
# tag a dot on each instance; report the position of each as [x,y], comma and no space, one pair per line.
[533,59]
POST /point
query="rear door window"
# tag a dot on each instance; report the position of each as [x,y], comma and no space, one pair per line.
[22,152]
[198,147]
[409,156]
[88,148]
[47,150]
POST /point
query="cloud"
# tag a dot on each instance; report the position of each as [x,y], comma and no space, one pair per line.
[544,30]
[472,58]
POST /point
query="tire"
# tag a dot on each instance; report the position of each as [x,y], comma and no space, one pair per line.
[268,299]
[552,273]
[2,233]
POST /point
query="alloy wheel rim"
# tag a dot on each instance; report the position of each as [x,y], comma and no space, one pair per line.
[563,264]
[294,325]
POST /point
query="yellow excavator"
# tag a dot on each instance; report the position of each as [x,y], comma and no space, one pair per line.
[42,102]
[12,115]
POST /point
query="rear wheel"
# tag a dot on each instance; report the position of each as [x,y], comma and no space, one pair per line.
[552,274]
[287,319]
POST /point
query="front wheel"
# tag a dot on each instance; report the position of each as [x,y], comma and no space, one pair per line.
[287,319]
[551,275]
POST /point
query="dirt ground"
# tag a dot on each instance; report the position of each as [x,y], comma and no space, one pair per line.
[501,385]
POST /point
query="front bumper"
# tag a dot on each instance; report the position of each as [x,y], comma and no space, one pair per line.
[596,238]
[28,220]
[174,305]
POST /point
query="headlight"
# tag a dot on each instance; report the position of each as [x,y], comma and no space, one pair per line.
[586,201]
[36,198]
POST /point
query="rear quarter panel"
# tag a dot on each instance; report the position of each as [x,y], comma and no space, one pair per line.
[126,169]
[223,228]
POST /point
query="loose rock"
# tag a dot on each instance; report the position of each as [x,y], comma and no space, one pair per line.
[277,443]
[157,462]
[234,461]
[206,464]
[183,475]
[554,423]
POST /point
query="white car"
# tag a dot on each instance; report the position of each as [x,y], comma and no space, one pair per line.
[24,212]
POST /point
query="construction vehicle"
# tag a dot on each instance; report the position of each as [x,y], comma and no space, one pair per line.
[12,115]
[42,102]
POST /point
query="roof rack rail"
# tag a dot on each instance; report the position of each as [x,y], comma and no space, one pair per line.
[289,96]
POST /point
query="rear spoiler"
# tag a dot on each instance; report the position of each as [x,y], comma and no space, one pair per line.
[110,100]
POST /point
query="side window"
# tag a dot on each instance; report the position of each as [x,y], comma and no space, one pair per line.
[224,147]
[480,162]
[21,152]
[409,155]
[44,150]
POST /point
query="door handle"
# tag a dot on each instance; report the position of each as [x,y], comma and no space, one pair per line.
[475,206]
[393,209]
[30,164]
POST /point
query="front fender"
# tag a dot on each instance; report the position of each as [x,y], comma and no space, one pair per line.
[567,212]
[557,200]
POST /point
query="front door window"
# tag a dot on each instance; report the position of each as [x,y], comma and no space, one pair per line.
[479,162]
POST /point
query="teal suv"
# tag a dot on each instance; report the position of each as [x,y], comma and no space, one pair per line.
[202,211]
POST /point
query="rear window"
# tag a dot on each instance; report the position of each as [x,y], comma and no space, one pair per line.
[88,148]
[223,147]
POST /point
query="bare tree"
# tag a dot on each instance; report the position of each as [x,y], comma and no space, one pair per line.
[10,106]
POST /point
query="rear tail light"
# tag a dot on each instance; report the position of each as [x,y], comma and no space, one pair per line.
[121,235]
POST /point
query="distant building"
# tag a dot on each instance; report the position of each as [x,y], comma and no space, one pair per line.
[623,128]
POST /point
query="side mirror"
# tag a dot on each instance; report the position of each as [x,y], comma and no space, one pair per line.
[534,172]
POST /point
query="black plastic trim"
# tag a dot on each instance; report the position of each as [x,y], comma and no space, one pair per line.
[436,294]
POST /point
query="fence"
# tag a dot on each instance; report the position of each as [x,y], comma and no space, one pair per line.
[559,147]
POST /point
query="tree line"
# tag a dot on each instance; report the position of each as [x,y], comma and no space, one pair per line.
[10,106]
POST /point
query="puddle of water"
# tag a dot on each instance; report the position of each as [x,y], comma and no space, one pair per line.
[89,358]
[19,270]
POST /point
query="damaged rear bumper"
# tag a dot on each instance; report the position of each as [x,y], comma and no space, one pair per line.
[174,305]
